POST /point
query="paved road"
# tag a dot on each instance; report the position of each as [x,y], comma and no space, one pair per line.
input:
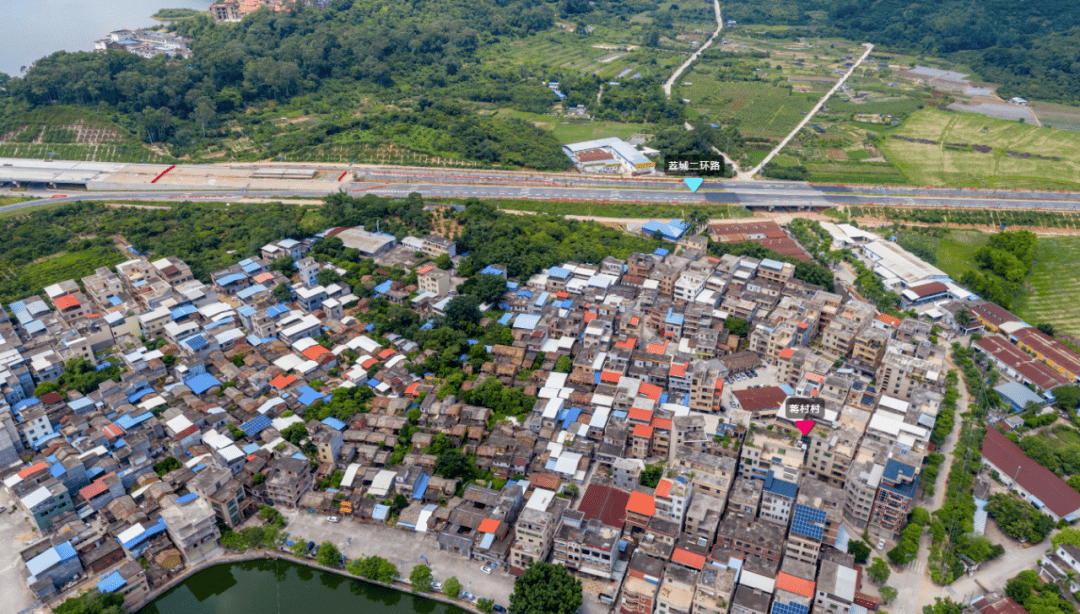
[817,107]
[404,549]
[687,63]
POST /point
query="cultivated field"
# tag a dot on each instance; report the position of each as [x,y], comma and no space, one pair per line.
[947,152]
[1055,285]
[761,110]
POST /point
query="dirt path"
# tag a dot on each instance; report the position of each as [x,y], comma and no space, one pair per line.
[694,56]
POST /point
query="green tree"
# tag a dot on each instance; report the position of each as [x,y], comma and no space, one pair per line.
[487,287]
[166,465]
[696,221]
[444,262]
[282,293]
[485,605]
[329,555]
[737,326]
[454,464]
[284,265]
[93,602]
[860,550]
[651,475]
[295,433]
[463,311]
[1067,397]
[564,364]
[374,568]
[546,588]
[300,547]
[328,276]
[879,571]
[45,388]
[258,478]
[888,594]
[452,587]
[420,578]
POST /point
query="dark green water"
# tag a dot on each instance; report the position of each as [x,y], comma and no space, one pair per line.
[283,587]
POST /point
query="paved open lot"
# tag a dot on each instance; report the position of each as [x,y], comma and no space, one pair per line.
[403,548]
[15,531]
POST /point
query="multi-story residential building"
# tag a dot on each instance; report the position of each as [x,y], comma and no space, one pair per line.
[807,534]
[643,577]
[764,451]
[589,546]
[715,589]
[894,497]
[709,474]
[192,526]
[836,586]
[829,499]
[777,498]
[703,516]
[437,245]
[906,367]
[868,349]
[750,601]
[436,281]
[672,497]
[830,454]
[676,593]
[752,538]
[706,388]
[745,498]
[225,494]
[290,479]
[535,529]
[45,501]
[328,442]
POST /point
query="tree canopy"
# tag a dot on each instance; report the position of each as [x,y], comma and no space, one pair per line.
[546,588]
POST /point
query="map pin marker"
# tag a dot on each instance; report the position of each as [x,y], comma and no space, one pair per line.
[693,183]
[805,426]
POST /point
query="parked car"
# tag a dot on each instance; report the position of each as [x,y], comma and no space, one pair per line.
[486,570]
[881,544]
[333,519]
[436,586]
[467,596]
[498,608]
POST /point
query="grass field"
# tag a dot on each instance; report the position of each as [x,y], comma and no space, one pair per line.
[956,253]
[1055,285]
[761,110]
[31,278]
[575,130]
[855,172]
[937,165]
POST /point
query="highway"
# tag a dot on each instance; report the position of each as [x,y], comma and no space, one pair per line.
[71,181]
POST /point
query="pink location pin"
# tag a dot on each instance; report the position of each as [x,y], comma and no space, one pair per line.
[805,426]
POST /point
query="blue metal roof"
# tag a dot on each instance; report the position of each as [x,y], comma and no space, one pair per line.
[661,252]
[81,403]
[794,607]
[421,486]
[299,456]
[44,438]
[145,535]
[195,343]
[276,310]
[255,426]
[103,366]
[130,421]
[17,306]
[308,395]
[491,270]
[249,266]
[780,487]
[183,311]
[217,323]
[251,448]
[111,582]
[505,319]
[23,404]
[57,470]
[526,321]
[201,383]
[34,326]
[115,301]
[380,512]
[251,291]
[247,311]
[572,415]
[374,383]
[488,539]
[230,279]
[185,499]
[559,272]
[334,423]
[134,397]
[384,287]
[65,551]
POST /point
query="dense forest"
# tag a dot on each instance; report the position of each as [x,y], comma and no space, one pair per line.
[1031,48]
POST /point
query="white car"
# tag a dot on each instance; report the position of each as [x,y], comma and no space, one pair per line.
[436,586]
[486,570]
[333,519]
[881,544]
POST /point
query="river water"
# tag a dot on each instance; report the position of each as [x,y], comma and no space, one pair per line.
[37,28]
[283,587]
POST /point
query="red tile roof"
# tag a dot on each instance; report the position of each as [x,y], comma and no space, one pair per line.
[32,469]
[314,352]
[261,277]
[51,397]
[606,503]
[677,370]
[643,430]
[641,503]
[757,399]
[610,377]
[687,558]
[425,269]
[191,430]
[562,295]
[1050,348]
[489,525]
[367,364]
[549,481]
[66,302]
[656,348]
[663,424]
[282,381]
[387,353]
[795,584]
[589,316]
[411,390]
[651,391]
[638,414]
[934,287]
[1039,373]
[663,488]
[1011,461]
[111,430]
[95,488]
[890,320]
[634,321]
[992,313]
[628,344]
[787,353]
